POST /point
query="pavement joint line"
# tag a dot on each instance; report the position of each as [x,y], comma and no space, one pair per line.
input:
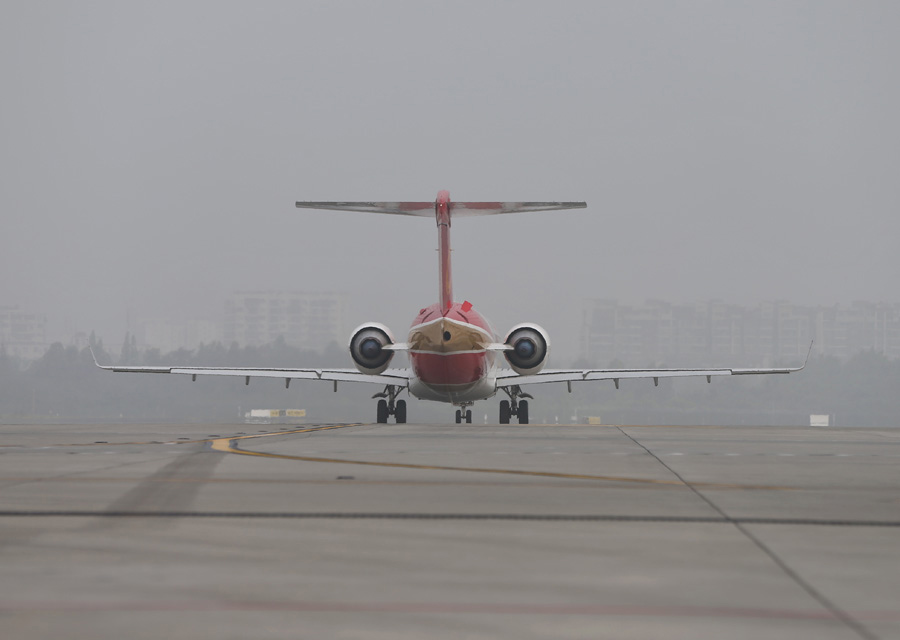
[343,606]
[350,515]
[303,429]
[849,621]
[228,445]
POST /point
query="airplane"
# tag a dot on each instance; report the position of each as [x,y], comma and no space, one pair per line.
[453,351]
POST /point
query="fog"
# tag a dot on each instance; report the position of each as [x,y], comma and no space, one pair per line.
[152,154]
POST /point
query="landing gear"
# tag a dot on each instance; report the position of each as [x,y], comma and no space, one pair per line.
[390,406]
[514,406]
[463,414]
[504,412]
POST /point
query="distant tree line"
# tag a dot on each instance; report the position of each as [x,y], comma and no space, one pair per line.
[65,385]
[861,391]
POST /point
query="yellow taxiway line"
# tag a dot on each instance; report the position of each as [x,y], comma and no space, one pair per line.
[226,445]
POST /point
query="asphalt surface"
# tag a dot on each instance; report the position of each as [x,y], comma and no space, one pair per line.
[448,531]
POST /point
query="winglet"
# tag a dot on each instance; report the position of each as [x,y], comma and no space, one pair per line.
[803,366]
[94,356]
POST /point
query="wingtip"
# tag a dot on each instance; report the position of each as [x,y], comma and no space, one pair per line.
[803,366]
[94,356]
[811,342]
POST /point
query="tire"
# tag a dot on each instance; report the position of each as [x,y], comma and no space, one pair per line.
[523,412]
[400,411]
[382,411]
[504,412]
[458,416]
[469,416]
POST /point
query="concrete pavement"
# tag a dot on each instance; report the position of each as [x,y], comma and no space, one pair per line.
[380,531]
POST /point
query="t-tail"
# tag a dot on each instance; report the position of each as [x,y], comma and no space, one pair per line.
[443,209]
[442,216]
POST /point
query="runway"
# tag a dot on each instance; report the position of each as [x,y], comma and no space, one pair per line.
[448,531]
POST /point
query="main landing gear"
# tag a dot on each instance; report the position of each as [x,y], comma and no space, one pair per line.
[514,406]
[463,414]
[390,406]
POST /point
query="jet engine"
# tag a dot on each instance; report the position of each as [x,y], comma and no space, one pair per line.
[530,347]
[367,344]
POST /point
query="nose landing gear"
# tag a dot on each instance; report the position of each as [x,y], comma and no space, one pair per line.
[463,414]
[514,406]
[390,406]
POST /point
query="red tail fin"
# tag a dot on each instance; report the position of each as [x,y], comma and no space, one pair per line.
[442,208]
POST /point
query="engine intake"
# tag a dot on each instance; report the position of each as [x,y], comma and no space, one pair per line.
[530,348]
[367,344]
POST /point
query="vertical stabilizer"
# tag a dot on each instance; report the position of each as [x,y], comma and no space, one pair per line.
[442,209]
[442,215]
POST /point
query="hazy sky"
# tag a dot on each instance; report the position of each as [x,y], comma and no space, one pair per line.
[152,152]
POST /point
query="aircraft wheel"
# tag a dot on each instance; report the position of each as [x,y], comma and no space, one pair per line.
[504,412]
[523,412]
[382,411]
[458,416]
[469,416]
[400,411]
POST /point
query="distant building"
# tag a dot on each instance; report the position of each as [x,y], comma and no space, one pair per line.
[844,330]
[658,331]
[167,336]
[22,333]
[79,340]
[715,331]
[305,320]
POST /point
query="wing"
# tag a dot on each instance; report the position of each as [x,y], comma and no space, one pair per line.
[396,377]
[426,209]
[508,378]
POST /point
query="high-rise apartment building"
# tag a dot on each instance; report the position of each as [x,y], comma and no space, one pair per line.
[715,331]
[306,320]
[22,334]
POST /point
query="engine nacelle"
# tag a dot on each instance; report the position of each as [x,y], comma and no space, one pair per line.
[367,344]
[530,348]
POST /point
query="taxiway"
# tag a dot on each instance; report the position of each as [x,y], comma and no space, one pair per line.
[410,531]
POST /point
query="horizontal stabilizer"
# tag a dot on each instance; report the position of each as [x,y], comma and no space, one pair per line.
[466,209]
[457,209]
[425,209]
